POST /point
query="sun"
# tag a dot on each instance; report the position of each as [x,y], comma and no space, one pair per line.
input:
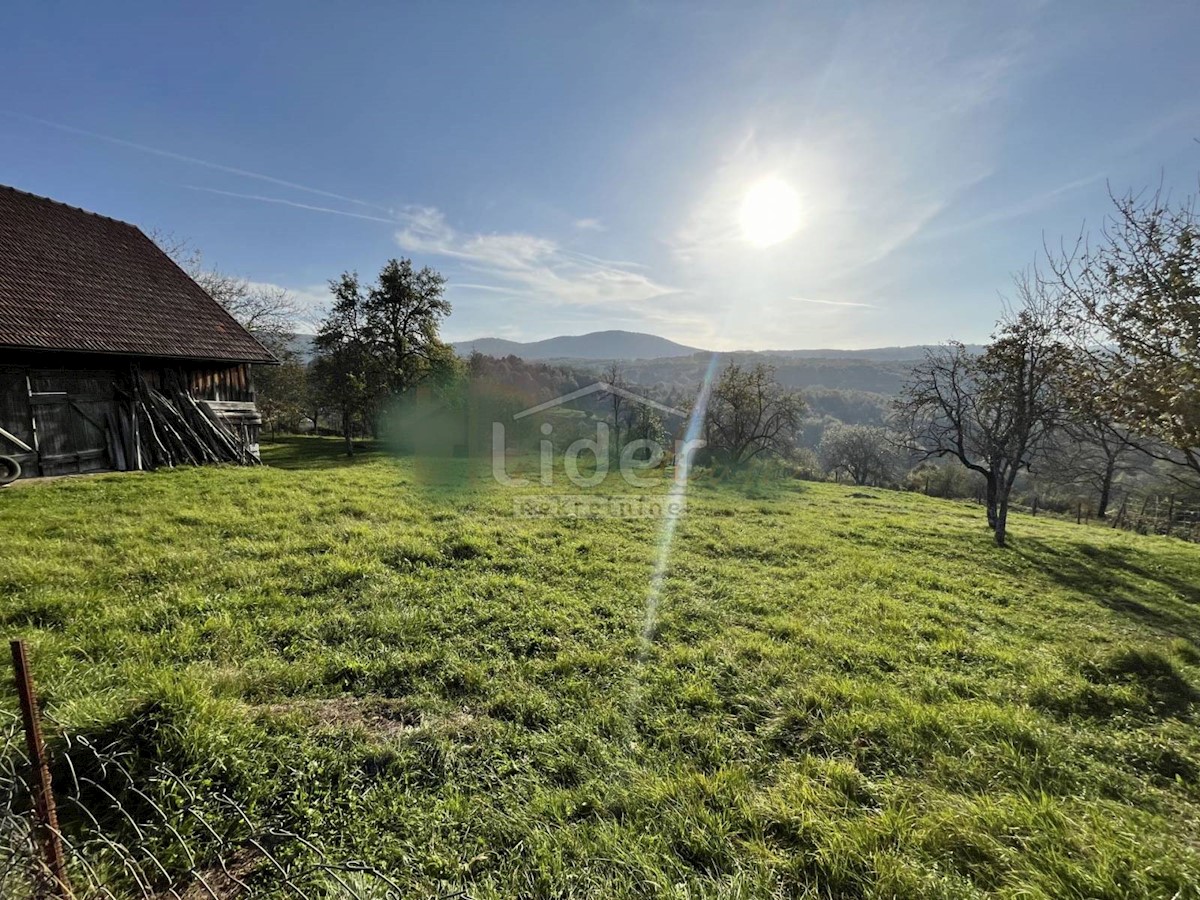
[770,212]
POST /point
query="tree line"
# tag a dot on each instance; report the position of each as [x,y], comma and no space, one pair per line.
[1092,375]
[1095,367]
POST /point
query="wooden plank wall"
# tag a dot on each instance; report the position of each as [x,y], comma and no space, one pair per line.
[67,414]
[16,417]
[232,383]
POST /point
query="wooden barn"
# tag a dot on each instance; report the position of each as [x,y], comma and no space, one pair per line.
[111,357]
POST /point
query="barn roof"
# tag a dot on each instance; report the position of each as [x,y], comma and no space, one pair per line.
[74,280]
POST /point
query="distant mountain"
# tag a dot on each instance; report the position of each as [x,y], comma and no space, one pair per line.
[874,354]
[302,345]
[633,345]
[630,345]
[597,345]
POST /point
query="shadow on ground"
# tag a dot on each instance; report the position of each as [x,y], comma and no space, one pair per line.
[317,453]
[1116,578]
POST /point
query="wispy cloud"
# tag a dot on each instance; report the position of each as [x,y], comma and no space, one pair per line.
[833,302]
[589,225]
[281,202]
[1029,205]
[487,288]
[530,265]
[192,160]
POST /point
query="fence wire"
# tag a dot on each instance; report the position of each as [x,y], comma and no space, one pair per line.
[132,830]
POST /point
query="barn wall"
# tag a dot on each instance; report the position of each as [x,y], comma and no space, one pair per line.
[63,414]
[68,407]
[231,383]
[16,416]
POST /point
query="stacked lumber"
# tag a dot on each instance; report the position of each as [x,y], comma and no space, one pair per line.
[166,426]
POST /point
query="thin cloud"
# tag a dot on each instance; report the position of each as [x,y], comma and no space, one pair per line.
[490,288]
[833,302]
[261,199]
[589,225]
[170,154]
[530,265]
[1025,207]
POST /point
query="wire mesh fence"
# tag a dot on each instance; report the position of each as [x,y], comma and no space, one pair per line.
[134,829]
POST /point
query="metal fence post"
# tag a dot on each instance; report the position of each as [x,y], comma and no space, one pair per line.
[45,817]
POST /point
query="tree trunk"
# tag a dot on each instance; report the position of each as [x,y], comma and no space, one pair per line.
[1003,493]
[1001,527]
[991,494]
[1105,490]
[347,434]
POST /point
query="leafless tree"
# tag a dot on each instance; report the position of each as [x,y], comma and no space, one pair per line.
[1092,452]
[750,415]
[862,452]
[1133,316]
[268,312]
[614,375]
[995,411]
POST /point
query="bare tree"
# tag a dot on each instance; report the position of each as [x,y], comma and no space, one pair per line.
[750,415]
[614,376]
[996,411]
[267,311]
[1133,315]
[1093,453]
[862,452]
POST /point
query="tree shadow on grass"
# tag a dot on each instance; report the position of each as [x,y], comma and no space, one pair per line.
[1116,578]
[305,452]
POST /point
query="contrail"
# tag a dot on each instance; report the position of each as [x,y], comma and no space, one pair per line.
[170,154]
[281,202]
[833,302]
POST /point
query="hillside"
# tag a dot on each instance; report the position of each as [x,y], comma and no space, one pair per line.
[596,345]
[838,693]
[874,354]
[632,345]
[655,362]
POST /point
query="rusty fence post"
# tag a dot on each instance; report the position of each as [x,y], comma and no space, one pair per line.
[45,818]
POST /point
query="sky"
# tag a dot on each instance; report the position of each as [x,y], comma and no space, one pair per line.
[574,167]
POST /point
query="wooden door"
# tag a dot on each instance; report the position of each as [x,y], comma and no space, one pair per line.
[71,410]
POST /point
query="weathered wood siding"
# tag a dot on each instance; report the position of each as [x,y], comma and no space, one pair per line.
[69,407]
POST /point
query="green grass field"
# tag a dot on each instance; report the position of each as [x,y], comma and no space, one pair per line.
[845,692]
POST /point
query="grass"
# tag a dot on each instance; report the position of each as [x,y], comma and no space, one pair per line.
[846,693]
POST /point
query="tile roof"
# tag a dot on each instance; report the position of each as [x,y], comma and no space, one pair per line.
[74,280]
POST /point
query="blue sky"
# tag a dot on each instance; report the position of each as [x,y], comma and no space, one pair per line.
[573,167]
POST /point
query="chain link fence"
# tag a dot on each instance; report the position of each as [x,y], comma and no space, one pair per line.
[132,829]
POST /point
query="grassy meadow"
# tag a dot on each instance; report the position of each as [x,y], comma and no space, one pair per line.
[843,693]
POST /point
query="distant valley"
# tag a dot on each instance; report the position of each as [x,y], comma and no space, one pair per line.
[656,362]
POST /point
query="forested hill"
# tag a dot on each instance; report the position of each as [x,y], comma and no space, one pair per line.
[606,345]
[686,373]
[853,390]
[633,345]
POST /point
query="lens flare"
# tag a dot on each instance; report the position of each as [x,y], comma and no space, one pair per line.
[672,511]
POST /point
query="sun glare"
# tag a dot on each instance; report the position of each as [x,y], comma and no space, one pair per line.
[770,212]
